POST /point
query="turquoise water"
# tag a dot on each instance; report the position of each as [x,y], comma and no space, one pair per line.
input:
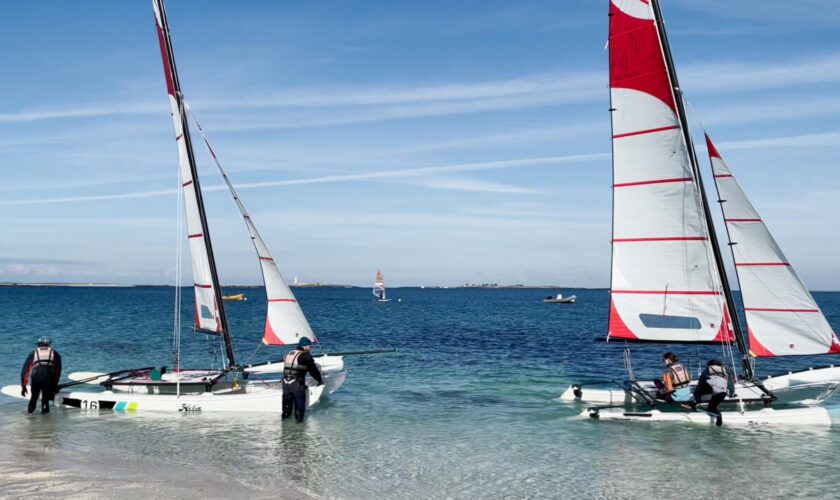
[465,409]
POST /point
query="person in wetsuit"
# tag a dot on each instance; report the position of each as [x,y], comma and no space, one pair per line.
[42,369]
[297,363]
[714,382]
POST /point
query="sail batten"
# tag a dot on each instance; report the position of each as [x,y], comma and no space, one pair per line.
[782,316]
[665,282]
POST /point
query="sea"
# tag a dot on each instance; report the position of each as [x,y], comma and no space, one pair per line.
[466,407]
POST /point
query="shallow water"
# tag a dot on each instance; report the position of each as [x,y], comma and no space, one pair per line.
[466,408]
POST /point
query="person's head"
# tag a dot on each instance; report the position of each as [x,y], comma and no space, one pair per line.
[714,362]
[43,341]
[669,358]
[304,343]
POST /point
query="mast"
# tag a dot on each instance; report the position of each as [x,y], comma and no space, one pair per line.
[727,291]
[192,184]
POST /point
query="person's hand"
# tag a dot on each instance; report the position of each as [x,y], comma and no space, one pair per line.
[23,391]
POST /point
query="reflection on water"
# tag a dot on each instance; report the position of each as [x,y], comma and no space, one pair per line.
[466,409]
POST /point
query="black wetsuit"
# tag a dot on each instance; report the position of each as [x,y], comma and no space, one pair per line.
[704,388]
[42,373]
[298,363]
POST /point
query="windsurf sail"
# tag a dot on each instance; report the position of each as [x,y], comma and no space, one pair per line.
[665,285]
[379,286]
[782,317]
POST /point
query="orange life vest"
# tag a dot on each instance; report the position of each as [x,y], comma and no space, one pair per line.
[676,377]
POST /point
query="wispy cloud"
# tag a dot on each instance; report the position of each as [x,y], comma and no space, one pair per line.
[331,106]
[388,174]
[737,75]
[805,140]
[478,185]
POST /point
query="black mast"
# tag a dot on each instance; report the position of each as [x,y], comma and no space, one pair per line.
[170,69]
[727,291]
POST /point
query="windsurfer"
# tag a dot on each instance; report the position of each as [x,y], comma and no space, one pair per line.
[42,369]
[676,376]
[297,364]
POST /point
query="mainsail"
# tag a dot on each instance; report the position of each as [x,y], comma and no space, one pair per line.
[284,322]
[379,286]
[209,311]
[666,285]
[782,317]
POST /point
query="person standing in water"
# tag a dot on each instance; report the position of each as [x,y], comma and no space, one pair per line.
[297,363]
[42,369]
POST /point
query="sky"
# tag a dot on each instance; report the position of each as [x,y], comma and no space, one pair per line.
[442,142]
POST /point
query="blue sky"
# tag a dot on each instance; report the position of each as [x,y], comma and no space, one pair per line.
[442,142]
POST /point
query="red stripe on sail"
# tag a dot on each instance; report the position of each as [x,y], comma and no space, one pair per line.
[643,132]
[186,183]
[282,300]
[742,220]
[721,176]
[756,349]
[668,292]
[167,71]
[199,235]
[618,328]
[763,264]
[269,337]
[267,258]
[713,152]
[725,334]
[660,181]
[636,60]
[767,309]
[179,137]
[670,238]
[202,286]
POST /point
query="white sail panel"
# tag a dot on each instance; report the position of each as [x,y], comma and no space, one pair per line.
[665,283]
[284,322]
[782,317]
[206,303]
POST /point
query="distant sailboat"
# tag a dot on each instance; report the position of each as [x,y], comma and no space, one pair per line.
[379,288]
[669,284]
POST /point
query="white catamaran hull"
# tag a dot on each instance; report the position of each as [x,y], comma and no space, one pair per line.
[805,388]
[811,416]
[194,381]
[256,399]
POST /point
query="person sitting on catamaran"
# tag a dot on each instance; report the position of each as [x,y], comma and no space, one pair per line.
[714,382]
[675,377]
[42,369]
[297,364]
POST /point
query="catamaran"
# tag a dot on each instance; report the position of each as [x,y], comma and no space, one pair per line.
[233,387]
[379,288]
[668,281]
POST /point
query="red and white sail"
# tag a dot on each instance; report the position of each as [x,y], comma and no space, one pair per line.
[207,301]
[284,322]
[782,317]
[665,282]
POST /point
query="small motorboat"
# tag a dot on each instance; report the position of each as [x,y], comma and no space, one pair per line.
[559,299]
